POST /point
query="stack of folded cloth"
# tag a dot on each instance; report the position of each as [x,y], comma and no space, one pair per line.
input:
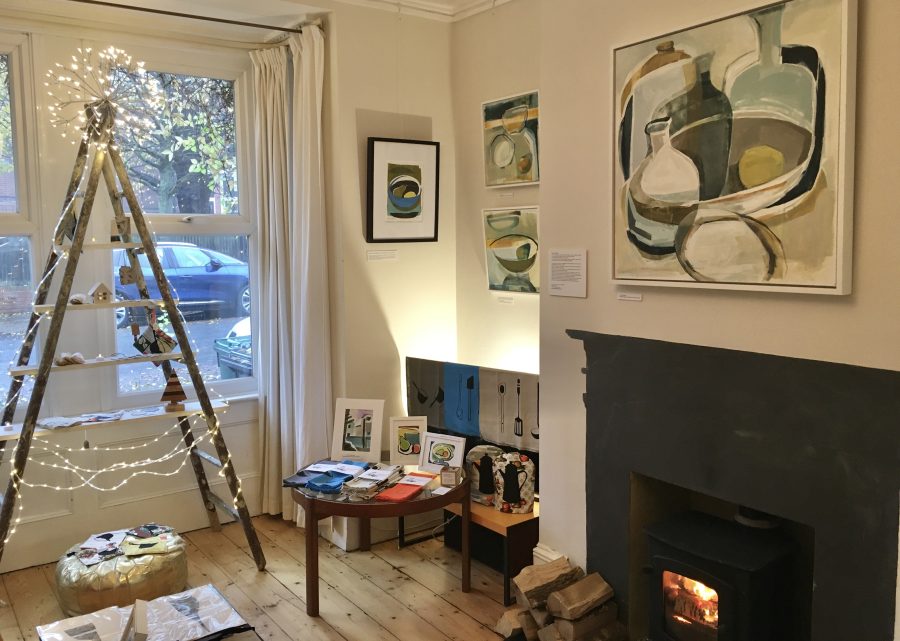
[332,481]
[372,481]
[406,488]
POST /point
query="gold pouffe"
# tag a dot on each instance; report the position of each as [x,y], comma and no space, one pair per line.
[121,579]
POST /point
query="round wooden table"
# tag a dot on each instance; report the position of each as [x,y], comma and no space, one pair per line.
[319,506]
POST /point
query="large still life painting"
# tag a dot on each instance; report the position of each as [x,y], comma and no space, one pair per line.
[734,147]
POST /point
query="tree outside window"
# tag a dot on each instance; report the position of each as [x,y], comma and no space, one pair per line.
[188,162]
[8,202]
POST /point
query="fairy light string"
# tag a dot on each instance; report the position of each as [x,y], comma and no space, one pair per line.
[81,93]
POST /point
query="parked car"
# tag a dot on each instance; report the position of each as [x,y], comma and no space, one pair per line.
[234,351]
[201,279]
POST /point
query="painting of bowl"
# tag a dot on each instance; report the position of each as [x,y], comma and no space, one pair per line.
[405,193]
[515,252]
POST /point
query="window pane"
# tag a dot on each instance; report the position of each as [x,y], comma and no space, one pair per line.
[210,277]
[188,163]
[16,293]
[7,167]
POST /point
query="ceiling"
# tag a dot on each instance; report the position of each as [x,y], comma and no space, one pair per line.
[282,13]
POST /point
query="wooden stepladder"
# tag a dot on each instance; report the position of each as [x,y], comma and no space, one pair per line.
[107,163]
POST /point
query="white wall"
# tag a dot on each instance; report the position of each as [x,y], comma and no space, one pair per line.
[495,54]
[389,77]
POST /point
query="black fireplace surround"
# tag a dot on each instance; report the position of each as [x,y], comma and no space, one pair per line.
[814,442]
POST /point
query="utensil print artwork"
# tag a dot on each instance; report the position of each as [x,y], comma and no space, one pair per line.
[519,424]
[501,396]
[470,387]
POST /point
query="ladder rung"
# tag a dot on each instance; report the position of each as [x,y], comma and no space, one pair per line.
[28,370]
[209,458]
[223,505]
[116,245]
[40,309]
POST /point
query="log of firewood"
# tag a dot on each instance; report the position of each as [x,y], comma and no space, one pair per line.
[529,627]
[549,633]
[588,624]
[535,582]
[509,623]
[579,598]
[541,617]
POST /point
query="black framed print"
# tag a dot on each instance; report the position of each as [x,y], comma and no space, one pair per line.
[403,184]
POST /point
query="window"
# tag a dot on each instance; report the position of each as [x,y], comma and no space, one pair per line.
[8,202]
[16,292]
[188,164]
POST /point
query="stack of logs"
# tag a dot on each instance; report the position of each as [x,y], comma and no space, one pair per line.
[556,602]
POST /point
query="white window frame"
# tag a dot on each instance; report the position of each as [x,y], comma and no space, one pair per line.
[233,66]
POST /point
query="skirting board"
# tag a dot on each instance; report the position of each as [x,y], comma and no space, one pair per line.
[544,554]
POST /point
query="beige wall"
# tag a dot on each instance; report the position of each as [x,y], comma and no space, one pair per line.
[495,54]
[389,77]
[576,39]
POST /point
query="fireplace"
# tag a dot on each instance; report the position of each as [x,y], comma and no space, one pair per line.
[813,443]
[715,580]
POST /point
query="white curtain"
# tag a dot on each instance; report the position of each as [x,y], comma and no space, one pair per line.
[295,346]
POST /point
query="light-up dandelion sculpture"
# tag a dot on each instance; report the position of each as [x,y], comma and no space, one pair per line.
[83,91]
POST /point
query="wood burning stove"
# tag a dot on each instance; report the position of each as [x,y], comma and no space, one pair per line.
[718,580]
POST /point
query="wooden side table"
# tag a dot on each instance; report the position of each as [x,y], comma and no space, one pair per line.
[519,534]
[319,506]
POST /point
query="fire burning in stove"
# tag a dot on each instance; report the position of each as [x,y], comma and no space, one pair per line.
[690,603]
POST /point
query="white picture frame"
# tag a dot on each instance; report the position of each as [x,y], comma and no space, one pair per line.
[412,430]
[453,455]
[357,429]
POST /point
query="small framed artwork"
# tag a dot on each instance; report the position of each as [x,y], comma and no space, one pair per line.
[511,154]
[440,451]
[407,434]
[511,249]
[403,186]
[357,429]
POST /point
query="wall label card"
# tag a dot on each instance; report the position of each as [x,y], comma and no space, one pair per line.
[568,272]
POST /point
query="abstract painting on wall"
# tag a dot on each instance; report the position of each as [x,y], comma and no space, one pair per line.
[402,199]
[511,141]
[734,152]
[511,249]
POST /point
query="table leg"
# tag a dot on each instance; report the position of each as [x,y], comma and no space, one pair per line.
[401,533]
[365,534]
[312,559]
[507,598]
[466,559]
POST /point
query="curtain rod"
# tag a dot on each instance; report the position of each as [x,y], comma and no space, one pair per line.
[178,14]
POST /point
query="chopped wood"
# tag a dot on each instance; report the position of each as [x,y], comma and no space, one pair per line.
[529,626]
[509,623]
[541,616]
[589,624]
[536,582]
[550,633]
[579,598]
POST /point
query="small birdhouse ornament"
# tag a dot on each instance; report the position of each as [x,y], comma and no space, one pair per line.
[100,293]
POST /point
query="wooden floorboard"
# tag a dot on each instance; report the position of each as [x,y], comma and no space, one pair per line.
[384,595]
